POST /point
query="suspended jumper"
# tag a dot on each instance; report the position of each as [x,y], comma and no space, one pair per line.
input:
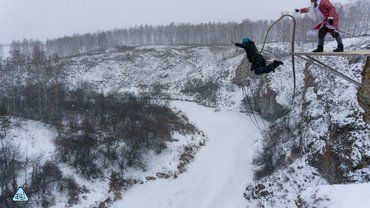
[258,61]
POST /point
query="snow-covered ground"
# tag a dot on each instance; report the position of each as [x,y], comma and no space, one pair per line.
[219,173]
[33,139]
[217,177]
[221,170]
[337,196]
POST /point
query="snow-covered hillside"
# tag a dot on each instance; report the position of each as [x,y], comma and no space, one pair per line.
[317,138]
[139,70]
[35,142]
[168,68]
[34,139]
[321,139]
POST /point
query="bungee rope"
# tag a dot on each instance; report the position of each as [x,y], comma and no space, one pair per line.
[262,49]
[293,41]
[251,104]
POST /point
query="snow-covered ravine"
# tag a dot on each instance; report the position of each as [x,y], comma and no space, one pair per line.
[219,173]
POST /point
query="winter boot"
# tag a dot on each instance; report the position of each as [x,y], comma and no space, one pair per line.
[320,48]
[339,48]
[276,63]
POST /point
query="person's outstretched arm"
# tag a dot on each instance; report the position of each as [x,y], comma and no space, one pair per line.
[240,45]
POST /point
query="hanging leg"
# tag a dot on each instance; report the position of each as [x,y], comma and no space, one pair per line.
[268,68]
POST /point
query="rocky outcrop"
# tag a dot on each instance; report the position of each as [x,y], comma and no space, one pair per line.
[267,106]
[242,73]
[261,98]
[259,191]
[363,94]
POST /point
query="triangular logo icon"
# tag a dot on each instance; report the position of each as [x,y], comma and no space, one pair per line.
[20,196]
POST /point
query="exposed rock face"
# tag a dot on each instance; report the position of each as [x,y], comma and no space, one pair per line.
[335,142]
[267,106]
[260,96]
[242,73]
[363,94]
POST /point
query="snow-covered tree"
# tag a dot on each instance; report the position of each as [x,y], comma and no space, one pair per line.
[5,122]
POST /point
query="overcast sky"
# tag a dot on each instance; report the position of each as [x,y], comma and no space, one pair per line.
[46,19]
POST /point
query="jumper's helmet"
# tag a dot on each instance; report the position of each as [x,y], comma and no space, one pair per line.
[245,40]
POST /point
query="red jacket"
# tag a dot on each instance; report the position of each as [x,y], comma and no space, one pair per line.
[328,11]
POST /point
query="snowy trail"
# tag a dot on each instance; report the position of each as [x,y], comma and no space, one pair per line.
[219,173]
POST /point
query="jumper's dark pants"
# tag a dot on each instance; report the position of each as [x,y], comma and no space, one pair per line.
[263,69]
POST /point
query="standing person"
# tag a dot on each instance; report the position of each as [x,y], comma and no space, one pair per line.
[325,12]
[258,61]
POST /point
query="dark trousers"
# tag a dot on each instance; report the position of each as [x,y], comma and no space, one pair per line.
[322,33]
[258,61]
[264,69]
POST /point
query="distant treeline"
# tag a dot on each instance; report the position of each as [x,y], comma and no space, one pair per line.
[354,21]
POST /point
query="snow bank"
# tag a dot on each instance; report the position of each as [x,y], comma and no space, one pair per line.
[337,196]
